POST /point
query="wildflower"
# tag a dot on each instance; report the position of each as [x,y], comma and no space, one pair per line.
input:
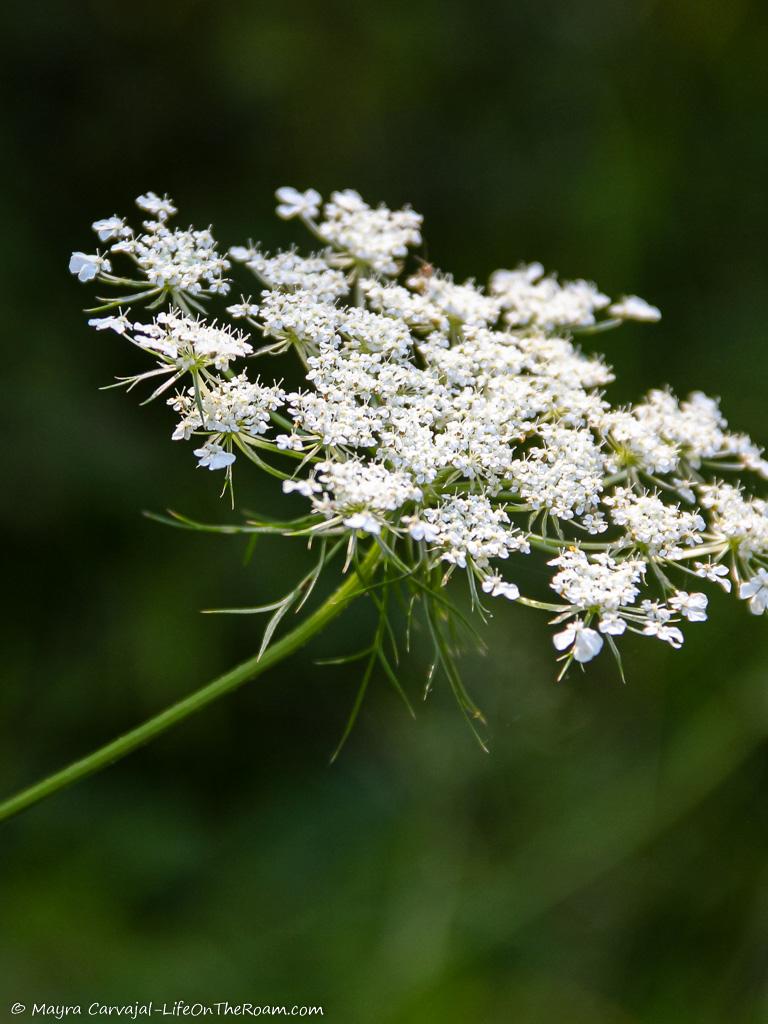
[632,307]
[186,343]
[472,529]
[585,643]
[737,522]
[240,310]
[352,489]
[213,456]
[528,298]
[377,237]
[665,632]
[600,584]
[563,474]
[160,208]
[242,253]
[612,624]
[184,260]
[111,227]
[363,521]
[235,406]
[305,487]
[293,203]
[691,606]
[455,425]
[288,271]
[755,590]
[659,529]
[715,573]
[86,266]
[119,324]
[459,303]
[497,587]
[419,529]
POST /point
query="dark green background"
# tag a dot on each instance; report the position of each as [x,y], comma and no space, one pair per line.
[607,861]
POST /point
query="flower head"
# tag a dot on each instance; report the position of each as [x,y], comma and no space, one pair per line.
[455,426]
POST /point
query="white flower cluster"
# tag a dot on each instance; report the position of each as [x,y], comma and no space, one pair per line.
[600,585]
[459,303]
[290,271]
[355,493]
[190,343]
[227,407]
[455,427]
[182,259]
[528,298]
[564,474]
[738,522]
[470,528]
[605,589]
[183,262]
[376,238]
[653,527]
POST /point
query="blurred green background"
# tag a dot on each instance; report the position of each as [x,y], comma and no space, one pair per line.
[607,861]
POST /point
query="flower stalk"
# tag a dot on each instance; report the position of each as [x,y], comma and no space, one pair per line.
[355,585]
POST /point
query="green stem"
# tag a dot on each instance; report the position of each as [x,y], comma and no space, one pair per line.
[351,588]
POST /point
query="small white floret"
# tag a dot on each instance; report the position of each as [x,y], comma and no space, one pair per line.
[363,521]
[242,309]
[118,324]
[213,456]
[585,642]
[242,253]
[715,573]
[111,227]
[612,624]
[498,587]
[670,634]
[152,203]
[632,307]
[85,266]
[691,606]
[419,529]
[755,590]
[292,203]
[305,487]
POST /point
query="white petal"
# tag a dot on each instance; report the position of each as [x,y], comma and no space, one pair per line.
[564,639]
[588,645]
